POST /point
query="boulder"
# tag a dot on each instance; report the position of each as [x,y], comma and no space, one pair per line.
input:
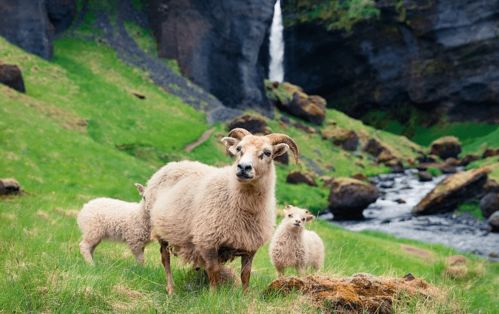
[347,139]
[297,177]
[220,45]
[373,147]
[494,221]
[395,165]
[452,191]
[467,159]
[489,204]
[490,152]
[446,147]
[424,176]
[256,124]
[9,186]
[349,197]
[291,99]
[11,76]
[385,156]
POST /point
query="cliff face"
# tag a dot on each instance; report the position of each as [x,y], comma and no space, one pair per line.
[31,24]
[440,56]
[218,45]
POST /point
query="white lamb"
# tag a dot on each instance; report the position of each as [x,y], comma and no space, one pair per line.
[209,215]
[107,218]
[294,246]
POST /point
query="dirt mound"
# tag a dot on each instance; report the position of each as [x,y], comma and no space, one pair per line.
[356,294]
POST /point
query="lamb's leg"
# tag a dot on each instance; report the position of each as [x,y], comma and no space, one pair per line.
[212,266]
[87,247]
[246,262]
[165,259]
[138,252]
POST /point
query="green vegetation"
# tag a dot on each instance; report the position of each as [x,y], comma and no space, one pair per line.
[333,14]
[472,208]
[79,132]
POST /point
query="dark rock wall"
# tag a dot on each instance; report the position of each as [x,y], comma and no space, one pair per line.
[440,56]
[31,24]
[218,44]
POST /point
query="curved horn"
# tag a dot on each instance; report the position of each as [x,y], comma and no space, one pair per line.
[238,133]
[277,138]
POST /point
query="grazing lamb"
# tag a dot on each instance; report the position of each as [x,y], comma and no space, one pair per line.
[293,246]
[107,218]
[210,215]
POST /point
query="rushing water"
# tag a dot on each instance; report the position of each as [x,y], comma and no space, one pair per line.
[276,50]
[391,213]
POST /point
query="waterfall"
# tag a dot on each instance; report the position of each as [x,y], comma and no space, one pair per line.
[276,67]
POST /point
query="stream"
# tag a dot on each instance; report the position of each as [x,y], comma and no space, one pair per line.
[391,213]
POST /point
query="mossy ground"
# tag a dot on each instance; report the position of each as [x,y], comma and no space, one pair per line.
[79,133]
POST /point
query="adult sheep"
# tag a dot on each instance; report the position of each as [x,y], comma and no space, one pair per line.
[209,215]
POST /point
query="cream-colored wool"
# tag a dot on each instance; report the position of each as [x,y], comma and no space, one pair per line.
[293,246]
[107,218]
[209,215]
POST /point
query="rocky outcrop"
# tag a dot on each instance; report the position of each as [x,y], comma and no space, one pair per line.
[9,186]
[347,139]
[219,45]
[438,56]
[489,204]
[349,197]
[494,221]
[424,176]
[297,177]
[25,23]
[452,191]
[446,147]
[291,99]
[31,24]
[254,123]
[11,76]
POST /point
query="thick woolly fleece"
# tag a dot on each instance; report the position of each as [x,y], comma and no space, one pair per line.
[295,247]
[107,218]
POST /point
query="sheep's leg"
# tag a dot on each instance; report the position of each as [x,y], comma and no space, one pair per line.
[280,271]
[138,252]
[212,267]
[87,248]
[165,260]
[246,262]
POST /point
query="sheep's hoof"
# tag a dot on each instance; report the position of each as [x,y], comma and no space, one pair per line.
[169,290]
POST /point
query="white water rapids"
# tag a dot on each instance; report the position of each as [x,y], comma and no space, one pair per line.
[276,67]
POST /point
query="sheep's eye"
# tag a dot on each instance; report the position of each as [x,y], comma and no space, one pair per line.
[267,153]
[303,219]
[238,148]
[290,216]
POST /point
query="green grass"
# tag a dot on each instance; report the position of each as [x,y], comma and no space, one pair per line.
[472,208]
[79,133]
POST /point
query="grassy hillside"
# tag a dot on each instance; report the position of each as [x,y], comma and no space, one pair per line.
[79,133]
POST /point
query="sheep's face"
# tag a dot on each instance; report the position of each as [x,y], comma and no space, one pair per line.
[254,155]
[295,218]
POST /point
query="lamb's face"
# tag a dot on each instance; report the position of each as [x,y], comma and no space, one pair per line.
[295,218]
[254,156]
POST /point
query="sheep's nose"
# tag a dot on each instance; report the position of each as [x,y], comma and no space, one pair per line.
[244,167]
[297,221]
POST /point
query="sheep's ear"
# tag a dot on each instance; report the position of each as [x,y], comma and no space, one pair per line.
[309,217]
[230,144]
[279,149]
[140,188]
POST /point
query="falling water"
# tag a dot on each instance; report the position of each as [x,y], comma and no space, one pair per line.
[276,68]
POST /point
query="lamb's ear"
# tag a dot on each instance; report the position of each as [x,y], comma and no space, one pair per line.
[309,217]
[230,144]
[279,149]
[140,188]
